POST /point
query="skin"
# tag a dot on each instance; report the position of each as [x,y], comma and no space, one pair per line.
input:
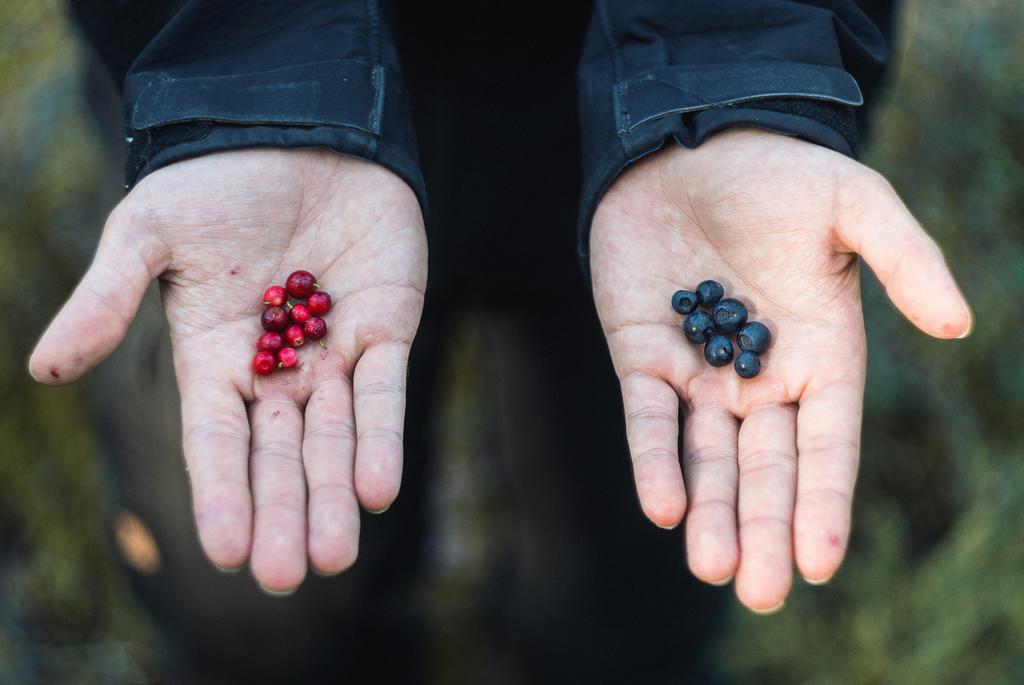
[769,464]
[279,465]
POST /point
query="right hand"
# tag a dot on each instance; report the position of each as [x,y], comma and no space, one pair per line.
[280,464]
[769,463]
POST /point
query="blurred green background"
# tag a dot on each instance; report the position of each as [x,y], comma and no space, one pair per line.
[932,590]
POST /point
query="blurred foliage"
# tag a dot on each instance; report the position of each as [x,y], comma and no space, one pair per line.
[930,592]
[65,612]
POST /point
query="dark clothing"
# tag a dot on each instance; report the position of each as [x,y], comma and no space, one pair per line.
[205,75]
[584,588]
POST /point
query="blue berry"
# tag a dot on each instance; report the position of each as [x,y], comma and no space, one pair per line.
[729,315]
[698,326]
[684,301]
[754,337]
[718,351]
[747,365]
[710,292]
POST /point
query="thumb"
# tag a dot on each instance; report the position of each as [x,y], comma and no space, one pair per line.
[95,319]
[876,224]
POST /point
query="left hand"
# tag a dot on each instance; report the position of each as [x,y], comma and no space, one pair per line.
[279,464]
[770,463]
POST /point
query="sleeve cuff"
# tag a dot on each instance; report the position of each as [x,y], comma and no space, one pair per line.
[683,89]
[686,105]
[338,105]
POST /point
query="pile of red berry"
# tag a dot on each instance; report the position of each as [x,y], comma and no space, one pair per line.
[293,316]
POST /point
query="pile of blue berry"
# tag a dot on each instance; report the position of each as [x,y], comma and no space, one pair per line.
[721,317]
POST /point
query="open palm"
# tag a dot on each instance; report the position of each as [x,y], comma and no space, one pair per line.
[279,465]
[769,463]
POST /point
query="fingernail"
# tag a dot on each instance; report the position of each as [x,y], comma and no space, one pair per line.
[336,570]
[228,571]
[818,581]
[379,511]
[773,610]
[325,574]
[970,323]
[723,581]
[276,593]
[672,527]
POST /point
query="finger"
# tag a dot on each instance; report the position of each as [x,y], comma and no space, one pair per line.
[216,444]
[279,495]
[828,437]
[328,452]
[652,431]
[767,470]
[379,398]
[709,449]
[96,317]
[878,226]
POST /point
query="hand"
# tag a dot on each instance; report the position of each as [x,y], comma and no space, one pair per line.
[769,463]
[217,231]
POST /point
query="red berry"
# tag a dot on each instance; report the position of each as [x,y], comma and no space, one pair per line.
[263,363]
[275,296]
[301,284]
[319,303]
[300,314]
[274,319]
[270,342]
[293,334]
[315,328]
[287,357]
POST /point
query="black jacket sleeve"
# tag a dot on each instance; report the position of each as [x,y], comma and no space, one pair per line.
[659,71]
[200,76]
